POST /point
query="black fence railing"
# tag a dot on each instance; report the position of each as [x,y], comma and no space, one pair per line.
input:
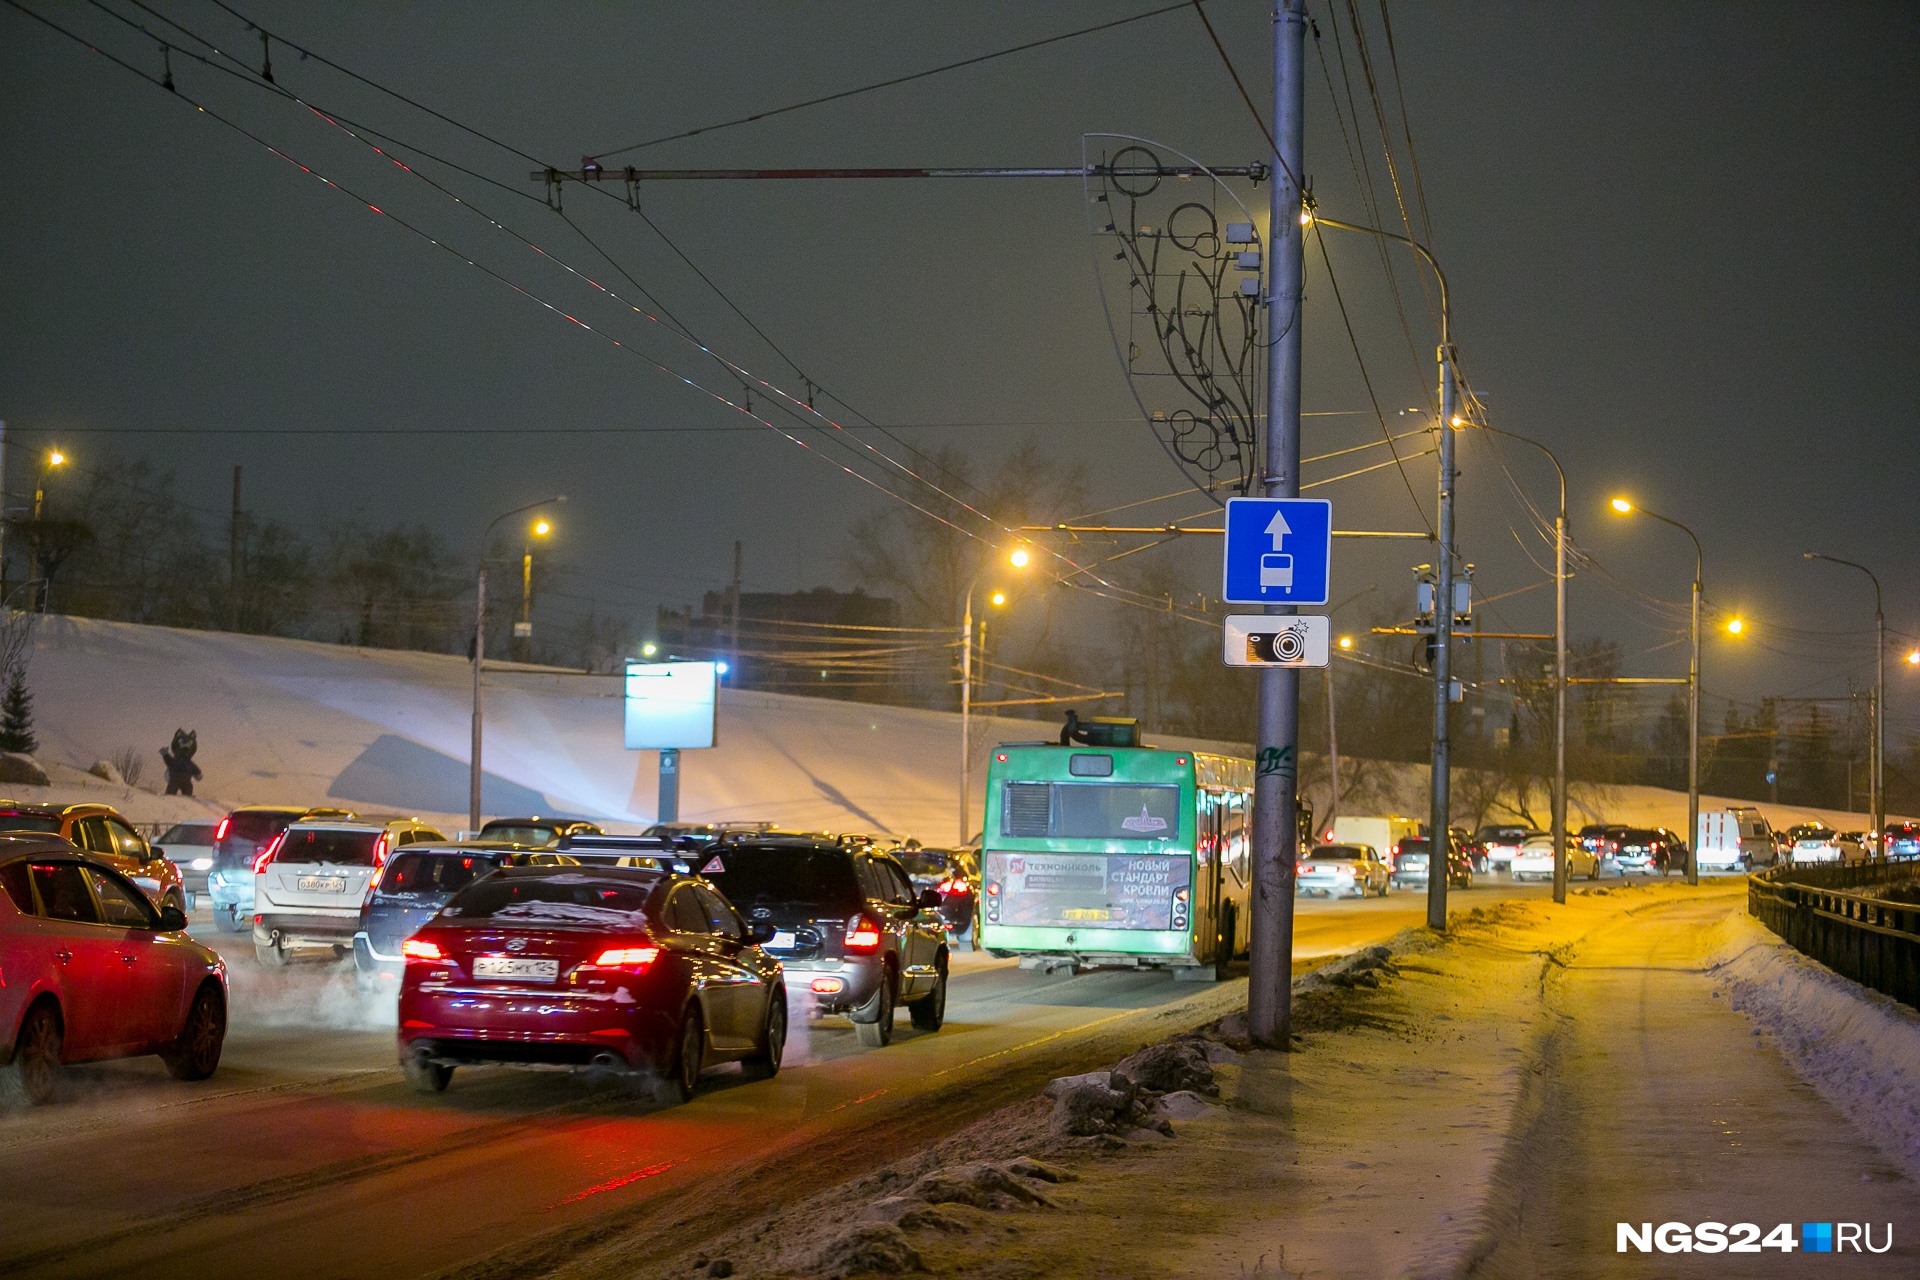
[1860,921]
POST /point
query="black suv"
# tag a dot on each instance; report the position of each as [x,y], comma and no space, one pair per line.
[848,927]
[417,882]
[535,832]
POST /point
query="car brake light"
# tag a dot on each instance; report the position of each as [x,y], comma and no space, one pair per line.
[420,949]
[953,886]
[380,852]
[220,832]
[863,936]
[637,959]
[266,854]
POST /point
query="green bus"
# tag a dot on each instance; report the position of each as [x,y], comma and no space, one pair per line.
[1133,857]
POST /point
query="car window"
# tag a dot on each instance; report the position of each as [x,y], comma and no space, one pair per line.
[125,839]
[306,845]
[188,833]
[121,903]
[565,899]
[433,872]
[91,833]
[899,888]
[720,916]
[764,875]
[64,893]
[1336,853]
[13,878]
[685,914]
[29,822]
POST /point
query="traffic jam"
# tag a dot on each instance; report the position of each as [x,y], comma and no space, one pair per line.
[543,942]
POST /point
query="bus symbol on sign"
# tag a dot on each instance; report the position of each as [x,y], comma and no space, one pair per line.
[1276,570]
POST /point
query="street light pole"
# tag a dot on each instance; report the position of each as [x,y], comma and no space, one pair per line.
[480,652]
[1018,558]
[54,458]
[1559,667]
[1693,692]
[1876,778]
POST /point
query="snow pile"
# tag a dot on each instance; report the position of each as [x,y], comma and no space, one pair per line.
[1858,1048]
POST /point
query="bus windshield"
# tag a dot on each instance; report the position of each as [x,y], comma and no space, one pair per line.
[1090,811]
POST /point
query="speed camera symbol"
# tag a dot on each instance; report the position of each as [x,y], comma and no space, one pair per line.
[1289,644]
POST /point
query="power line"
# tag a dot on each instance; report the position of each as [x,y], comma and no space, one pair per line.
[884,84]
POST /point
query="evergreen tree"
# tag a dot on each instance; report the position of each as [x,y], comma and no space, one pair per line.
[16,716]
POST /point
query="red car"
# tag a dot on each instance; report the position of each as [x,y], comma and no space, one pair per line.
[618,969]
[90,968]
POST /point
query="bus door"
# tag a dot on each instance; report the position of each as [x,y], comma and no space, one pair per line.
[1210,844]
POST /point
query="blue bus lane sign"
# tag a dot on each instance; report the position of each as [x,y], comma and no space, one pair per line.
[1278,551]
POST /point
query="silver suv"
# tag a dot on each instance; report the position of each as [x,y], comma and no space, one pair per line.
[308,885]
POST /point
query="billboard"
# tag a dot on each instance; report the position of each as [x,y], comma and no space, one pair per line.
[671,705]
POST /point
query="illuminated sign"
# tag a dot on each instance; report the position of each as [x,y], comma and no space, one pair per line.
[671,705]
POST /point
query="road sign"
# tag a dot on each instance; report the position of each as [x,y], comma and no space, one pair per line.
[1276,640]
[1278,550]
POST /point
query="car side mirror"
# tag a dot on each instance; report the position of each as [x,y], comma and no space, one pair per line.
[929,900]
[761,931]
[172,919]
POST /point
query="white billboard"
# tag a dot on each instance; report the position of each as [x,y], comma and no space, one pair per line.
[671,705]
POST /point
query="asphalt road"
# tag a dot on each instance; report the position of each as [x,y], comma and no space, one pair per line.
[306,1155]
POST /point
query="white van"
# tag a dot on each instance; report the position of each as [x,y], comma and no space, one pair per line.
[1382,834]
[1733,838]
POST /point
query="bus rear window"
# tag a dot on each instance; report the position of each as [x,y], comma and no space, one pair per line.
[1089,811]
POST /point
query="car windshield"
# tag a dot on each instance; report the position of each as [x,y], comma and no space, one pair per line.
[1336,853]
[259,824]
[568,900]
[188,833]
[327,845]
[1640,837]
[1414,846]
[28,822]
[511,833]
[926,866]
[767,874]
[434,872]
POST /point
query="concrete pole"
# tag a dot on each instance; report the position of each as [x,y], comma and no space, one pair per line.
[1879,801]
[966,716]
[1560,701]
[479,653]
[1693,736]
[1276,843]
[1440,835]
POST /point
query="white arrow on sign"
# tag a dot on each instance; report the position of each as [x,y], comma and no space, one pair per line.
[1278,529]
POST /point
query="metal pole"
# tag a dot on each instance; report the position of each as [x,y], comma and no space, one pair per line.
[525,642]
[669,806]
[233,556]
[1560,701]
[1439,829]
[733,618]
[38,575]
[479,652]
[1277,734]
[1333,753]
[1693,734]
[966,714]
[1879,724]
[4,593]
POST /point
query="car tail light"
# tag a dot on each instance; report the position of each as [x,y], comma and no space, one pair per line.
[220,832]
[266,855]
[863,936]
[952,886]
[421,949]
[637,959]
[379,853]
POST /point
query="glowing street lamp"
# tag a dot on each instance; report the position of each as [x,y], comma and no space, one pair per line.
[1736,626]
[1018,558]
[480,646]
[55,458]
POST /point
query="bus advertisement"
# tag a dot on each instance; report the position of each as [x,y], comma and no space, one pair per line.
[1116,856]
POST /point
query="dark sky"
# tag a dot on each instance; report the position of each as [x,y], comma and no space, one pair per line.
[1681,240]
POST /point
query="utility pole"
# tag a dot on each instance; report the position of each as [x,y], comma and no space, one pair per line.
[1560,695]
[733,617]
[1877,746]
[1276,783]
[233,556]
[3,510]
[1439,830]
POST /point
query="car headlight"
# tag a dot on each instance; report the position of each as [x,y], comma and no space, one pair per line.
[203,864]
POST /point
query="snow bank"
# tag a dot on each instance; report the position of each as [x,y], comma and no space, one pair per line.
[1859,1049]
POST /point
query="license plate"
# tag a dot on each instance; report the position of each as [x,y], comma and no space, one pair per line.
[511,967]
[782,941]
[322,884]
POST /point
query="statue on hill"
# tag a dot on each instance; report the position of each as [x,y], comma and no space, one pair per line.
[181,770]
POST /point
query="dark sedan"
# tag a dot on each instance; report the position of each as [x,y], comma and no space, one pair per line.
[415,885]
[616,969]
[954,874]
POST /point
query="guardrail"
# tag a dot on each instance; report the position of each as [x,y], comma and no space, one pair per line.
[1847,919]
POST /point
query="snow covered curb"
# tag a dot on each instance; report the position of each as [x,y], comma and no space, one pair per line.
[1859,1049]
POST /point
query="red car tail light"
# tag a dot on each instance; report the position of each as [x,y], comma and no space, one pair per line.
[952,886]
[379,854]
[220,832]
[637,959]
[863,936]
[266,854]
[421,949]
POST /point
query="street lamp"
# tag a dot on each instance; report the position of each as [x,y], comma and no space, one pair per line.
[1876,784]
[55,458]
[1018,558]
[523,630]
[480,647]
[1625,507]
[1559,817]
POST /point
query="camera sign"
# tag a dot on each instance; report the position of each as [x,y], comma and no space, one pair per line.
[1271,640]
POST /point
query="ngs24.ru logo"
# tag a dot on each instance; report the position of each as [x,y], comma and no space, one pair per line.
[1746,1237]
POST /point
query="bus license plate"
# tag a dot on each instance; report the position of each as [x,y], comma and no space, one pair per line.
[512,967]
[323,884]
[1086,913]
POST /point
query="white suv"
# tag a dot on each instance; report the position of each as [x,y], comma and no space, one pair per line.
[308,885]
